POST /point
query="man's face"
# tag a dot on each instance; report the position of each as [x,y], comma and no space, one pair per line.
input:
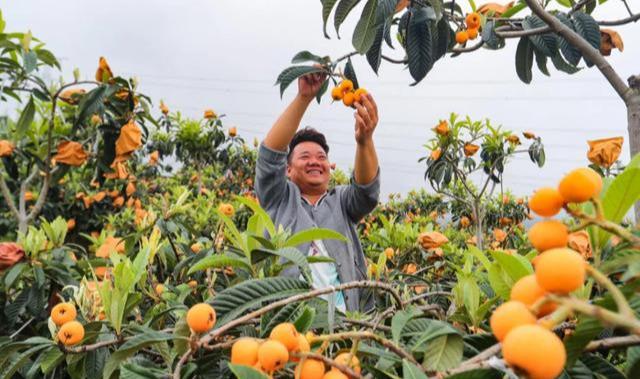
[309,168]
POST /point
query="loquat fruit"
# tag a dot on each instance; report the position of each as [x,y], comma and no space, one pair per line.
[580,185]
[534,350]
[287,334]
[560,270]
[546,202]
[272,355]
[201,317]
[527,291]
[71,333]
[245,352]
[548,234]
[63,313]
[508,316]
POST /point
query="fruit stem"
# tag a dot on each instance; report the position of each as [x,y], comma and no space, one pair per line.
[621,301]
[371,336]
[604,315]
[604,224]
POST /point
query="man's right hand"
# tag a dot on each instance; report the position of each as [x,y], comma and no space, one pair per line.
[309,85]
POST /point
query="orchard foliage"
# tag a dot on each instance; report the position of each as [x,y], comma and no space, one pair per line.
[135,248]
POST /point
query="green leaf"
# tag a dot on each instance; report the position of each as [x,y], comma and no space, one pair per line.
[514,10]
[2,23]
[422,330]
[374,55]
[524,60]
[288,313]
[327,7]
[633,362]
[570,52]
[411,371]
[577,371]
[498,281]
[601,366]
[257,209]
[22,359]
[441,39]
[312,235]
[342,11]
[14,273]
[399,320]
[561,65]
[587,329]
[51,359]
[246,372]
[419,44]
[547,43]
[26,118]
[350,73]
[234,301]
[620,196]
[365,31]
[30,61]
[306,56]
[92,103]
[130,347]
[541,62]
[322,90]
[219,261]
[292,73]
[444,352]
[588,28]
[294,255]
[320,259]
[515,266]
[482,373]
[305,319]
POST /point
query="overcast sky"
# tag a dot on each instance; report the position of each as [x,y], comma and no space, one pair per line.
[226,55]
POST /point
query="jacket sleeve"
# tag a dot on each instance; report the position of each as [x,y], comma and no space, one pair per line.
[271,179]
[358,200]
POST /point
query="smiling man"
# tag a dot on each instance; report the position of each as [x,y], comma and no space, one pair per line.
[292,184]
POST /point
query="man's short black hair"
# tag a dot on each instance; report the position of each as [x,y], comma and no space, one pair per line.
[307,134]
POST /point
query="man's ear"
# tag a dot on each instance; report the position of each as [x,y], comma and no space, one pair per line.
[288,171]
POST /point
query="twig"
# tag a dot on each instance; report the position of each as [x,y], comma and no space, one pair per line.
[370,336]
[367,324]
[468,49]
[632,18]
[85,348]
[21,328]
[344,369]
[605,315]
[183,359]
[623,306]
[613,343]
[427,294]
[396,61]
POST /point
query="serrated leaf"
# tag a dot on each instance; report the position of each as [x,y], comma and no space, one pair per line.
[587,329]
[296,257]
[30,61]
[588,28]
[327,7]
[546,43]
[561,65]
[601,366]
[292,73]
[342,11]
[570,52]
[374,55]
[306,56]
[305,319]
[26,118]
[577,371]
[419,45]
[246,372]
[288,313]
[91,103]
[350,73]
[524,60]
[50,359]
[236,300]
[219,261]
[136,343]
[365,31]
[444,352]
[515,266]
[21,360]
[411,371]
[322,90]
[400,320]
[633,362]
[441,39]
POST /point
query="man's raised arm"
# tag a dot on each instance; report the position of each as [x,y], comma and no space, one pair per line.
[287,124]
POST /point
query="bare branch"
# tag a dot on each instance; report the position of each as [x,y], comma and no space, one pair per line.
[7,197]
[613,343]
[397,61]
[468,49]
[632,18]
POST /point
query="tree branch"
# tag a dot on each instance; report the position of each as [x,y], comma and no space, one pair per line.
[613,343]
[7,197]
[632,18]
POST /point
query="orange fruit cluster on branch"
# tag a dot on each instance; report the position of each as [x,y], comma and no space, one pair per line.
[71,332]
[345,92]
[472,22]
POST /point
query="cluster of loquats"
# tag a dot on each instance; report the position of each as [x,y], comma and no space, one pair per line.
[71,331]
[520,324]
[472,22]
[284,345]
[345,92]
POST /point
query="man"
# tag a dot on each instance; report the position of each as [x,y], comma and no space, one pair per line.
[292,180]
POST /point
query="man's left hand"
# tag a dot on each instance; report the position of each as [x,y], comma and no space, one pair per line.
[366,119]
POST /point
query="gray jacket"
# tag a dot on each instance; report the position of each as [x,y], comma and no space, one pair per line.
[340,209]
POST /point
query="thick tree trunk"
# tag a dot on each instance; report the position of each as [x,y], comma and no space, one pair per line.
[633,126]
